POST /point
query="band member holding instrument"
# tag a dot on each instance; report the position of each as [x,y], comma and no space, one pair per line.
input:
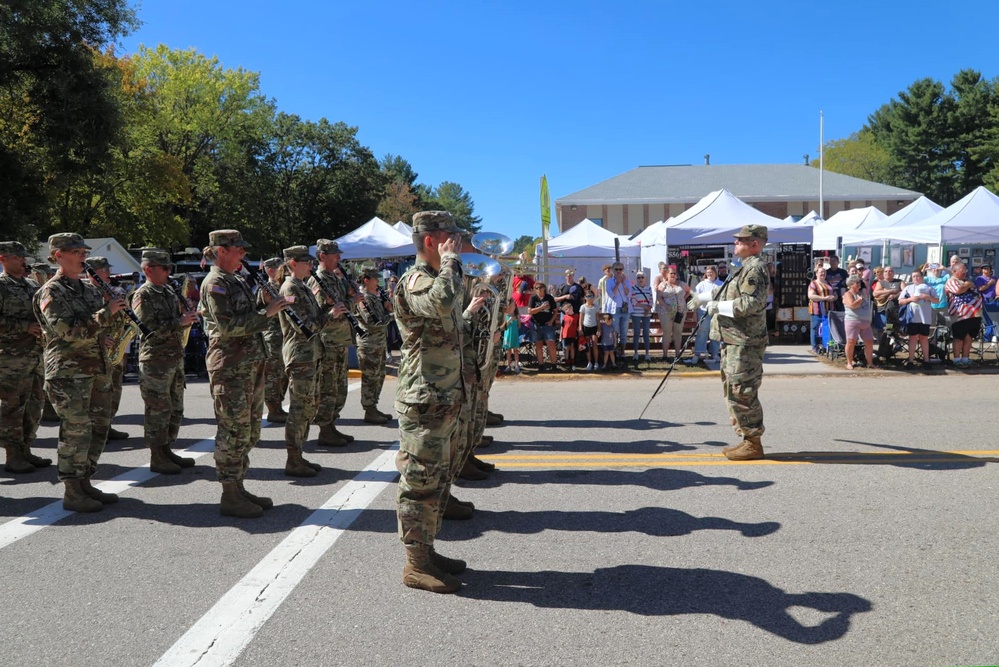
[336,336]
[373,316]
[161,361]
[117,332]
[75,319]
[235,368]
[275,377]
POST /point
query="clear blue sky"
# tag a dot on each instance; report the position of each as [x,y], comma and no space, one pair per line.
[494,94]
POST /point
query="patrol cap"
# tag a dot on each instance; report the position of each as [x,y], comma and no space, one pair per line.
[299,253]
[369,272]
[434,221]
[42,267]
[758,232]
[98,262]
[327,247]
[157,257]
[13,249]
[67,241]
[227,238]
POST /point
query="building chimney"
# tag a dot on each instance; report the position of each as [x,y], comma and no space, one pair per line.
[806,159]
[707,159]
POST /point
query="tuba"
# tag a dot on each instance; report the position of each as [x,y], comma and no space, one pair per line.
[480,270]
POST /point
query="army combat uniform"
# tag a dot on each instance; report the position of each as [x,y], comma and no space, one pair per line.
[21,393]
[116,331]
[275,377]
[373,319]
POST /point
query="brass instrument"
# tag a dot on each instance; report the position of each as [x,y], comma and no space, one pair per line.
[180,289]
[265,284]
[484,269]
[118,347]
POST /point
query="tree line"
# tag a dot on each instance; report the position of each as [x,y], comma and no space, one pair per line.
[938,140]
[161,146]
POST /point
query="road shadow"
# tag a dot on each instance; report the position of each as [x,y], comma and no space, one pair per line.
[659,479]
[665,591]
[626,424]
[652,521]
[908,457]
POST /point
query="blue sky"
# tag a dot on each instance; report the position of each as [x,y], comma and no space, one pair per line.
[494,94]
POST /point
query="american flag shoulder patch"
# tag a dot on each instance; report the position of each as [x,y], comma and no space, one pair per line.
[316,289]
[218,289]
[44,303]
[412,280]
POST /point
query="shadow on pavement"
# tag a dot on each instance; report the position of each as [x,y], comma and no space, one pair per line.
[908,457]
[666,591]
[660,479]
[629,424]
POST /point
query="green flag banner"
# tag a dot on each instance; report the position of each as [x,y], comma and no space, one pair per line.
[546,207]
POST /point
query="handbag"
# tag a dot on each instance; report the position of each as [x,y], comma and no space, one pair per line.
[678,317]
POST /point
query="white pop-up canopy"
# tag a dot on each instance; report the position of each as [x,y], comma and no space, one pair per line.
[402,228]
[905,225]
[118,258]
[588,239]
[375,239]
[973,219]
[720,214]
[843,224]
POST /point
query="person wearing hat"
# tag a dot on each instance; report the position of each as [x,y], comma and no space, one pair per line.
[161,361]
[76,320]
[119,323]
[301,354]
[336,337]
[21,393]
[235,363]
[429,396]
[41,272]
[739,322]
[275,377]
[373,315]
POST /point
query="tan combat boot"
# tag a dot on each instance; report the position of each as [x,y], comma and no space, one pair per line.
[732,448]
[264,502]
[75,500]
[445,564]
[16,461]
[296,465]
[161,463]
[234,503]
[470,472]
[95,493]
[36,461]
[182,461]
[421,573]
[750,450]
[276,413]
[329,437]
[372,416]
[456,510]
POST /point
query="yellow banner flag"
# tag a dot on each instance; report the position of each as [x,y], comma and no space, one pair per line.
[546,207]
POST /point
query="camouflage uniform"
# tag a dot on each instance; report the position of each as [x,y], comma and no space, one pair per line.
[336,337]
[119,324]
[21,393]
[373,319]
[235,364]
[430,393]
[741,327]
[76,324]
[275,376]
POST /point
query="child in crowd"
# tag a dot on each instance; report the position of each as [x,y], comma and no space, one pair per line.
[588,325]
[570,327]
[511,337]
[608,339]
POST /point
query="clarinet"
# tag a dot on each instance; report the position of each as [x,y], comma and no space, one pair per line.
[265,285]
[111,294]
[354,324]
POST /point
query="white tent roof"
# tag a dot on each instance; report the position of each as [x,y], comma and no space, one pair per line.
[843,224]
[117,256]
[649,235]
[905,225]
[973,219]
[719,215]
[588,239]
[403,228]
[375,239]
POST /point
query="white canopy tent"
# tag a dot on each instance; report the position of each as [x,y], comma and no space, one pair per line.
[811,218]
[586,247]
[905,225]
[973,219]
[843,224]
[653,252]
[375,239]
[402,228]
[118,258]
[719,215]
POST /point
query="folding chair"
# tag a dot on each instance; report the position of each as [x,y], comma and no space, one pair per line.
[987,338]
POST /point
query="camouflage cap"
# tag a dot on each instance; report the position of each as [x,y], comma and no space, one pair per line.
[752,232]
[67,241]
[273,262]
[42,267]
[13,249]
[299,253]
[369,272]
[157,257]
[327,247]
[227,238]
[433,221]
[98,262]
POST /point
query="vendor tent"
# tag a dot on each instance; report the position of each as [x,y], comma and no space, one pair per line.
[905,226]
[375,239]
[588,239]
[402,228]
[653,251]
[973,219]
[843,224]
[119,258]
[720,214]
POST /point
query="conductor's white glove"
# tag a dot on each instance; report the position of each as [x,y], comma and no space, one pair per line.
[704,297]
[711,308]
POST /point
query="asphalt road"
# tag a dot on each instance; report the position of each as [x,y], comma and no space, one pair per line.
[866,538]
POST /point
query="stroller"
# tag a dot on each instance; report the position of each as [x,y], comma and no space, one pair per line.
[833,328]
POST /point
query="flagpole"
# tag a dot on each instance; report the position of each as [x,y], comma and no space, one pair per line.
[822,213]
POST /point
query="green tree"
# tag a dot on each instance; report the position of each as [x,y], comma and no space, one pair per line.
[859,155]
[525,242]
[450,196]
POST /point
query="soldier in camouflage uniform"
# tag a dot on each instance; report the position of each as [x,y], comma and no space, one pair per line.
[76,321]
[41,272]
[301,354]
[119,323]
[336,337]
[431,390]
[235,363]
[161,361]
[739,310]
[275,377]
[373,315]
[21,391]
[476,468]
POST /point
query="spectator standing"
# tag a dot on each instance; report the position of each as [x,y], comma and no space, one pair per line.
[919,297]
[570,328]
[820,300]
[602,285]
[570,292]
[543,310]
[608,339]
[857,305]
[618,290]
[965,310]
[703,347]
[673,295]
[836,277]
[589,324]
[936,277]
[641,313]
[986,284]
[864,272]
[511,338]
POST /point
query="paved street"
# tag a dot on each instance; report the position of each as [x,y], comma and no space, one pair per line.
[867,537]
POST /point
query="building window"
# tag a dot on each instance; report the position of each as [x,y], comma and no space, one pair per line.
[597,221]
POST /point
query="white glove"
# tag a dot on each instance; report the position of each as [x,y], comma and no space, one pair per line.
[704,297]
[712,308]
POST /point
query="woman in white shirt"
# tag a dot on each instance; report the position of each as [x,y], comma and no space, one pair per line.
[701,343]
[920,298]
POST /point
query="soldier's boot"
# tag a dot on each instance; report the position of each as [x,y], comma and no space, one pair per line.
[313,465]
[346,438]
[161,463]
[484,466]
[470,472]
[234,503]
[115,434]
[16,461]
[329,437]
[449,565]
[76,500]
[493,419]
[264,502]
[387,416]
[276,413]
[296,465]
[182,461]
[731,448]
[421,573]
[456,511]
[751,449]
[372,416]
[49,413]
[36,461]
[98,495]
[464,503]
[486,440]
